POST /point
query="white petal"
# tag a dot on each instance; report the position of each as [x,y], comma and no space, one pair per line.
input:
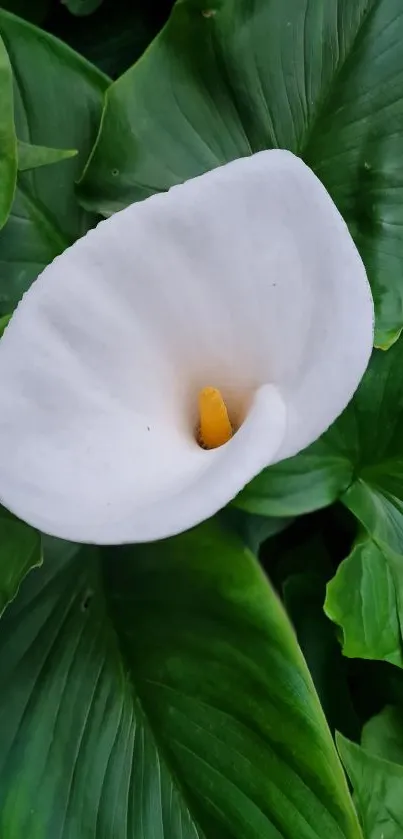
[245,279]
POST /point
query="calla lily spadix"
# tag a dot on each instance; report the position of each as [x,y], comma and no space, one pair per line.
[234,307]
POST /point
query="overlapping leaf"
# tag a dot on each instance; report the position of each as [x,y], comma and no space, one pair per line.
[311,480]
[57,101]
[158,691]
[362,598]
[383,735]
[8,139]
[377,786]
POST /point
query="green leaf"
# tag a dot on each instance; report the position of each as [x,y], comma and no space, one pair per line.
[82,7]
[311,480]
[31,157]
[158,691]
[322,79]
[375,420]
[362,599]
[58,101]
[383,735]
[377,501]
[366,597]
[20,550]
[8,140]
[377,788]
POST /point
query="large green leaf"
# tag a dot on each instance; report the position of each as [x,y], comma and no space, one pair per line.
[383,735]
[58,101]
[20,550]
[377,786]
[8,139]
[320,78]
[157,692]
[311,480]
[362,599]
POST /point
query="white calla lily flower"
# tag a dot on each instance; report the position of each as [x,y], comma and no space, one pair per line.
[234,309]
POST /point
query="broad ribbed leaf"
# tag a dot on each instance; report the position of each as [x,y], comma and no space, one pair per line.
[321,78]
[58,101]
[157,692]
[377,786]
[8,139]
[362,599]
[383,735]
[373,427]
[311,480]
